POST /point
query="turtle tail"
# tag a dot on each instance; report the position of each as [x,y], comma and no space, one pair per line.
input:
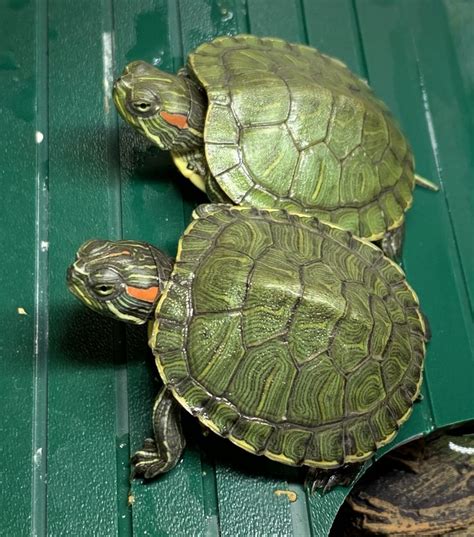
[421,181]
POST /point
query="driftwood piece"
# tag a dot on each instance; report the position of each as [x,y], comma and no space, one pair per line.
[424,488]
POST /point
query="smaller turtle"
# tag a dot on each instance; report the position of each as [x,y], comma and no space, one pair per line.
[292,338]
[269,124]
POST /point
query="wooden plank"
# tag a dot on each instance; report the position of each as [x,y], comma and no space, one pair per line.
[17,274]
[332,28]
[447,101]
[431,258]
[82,469]
[153,210]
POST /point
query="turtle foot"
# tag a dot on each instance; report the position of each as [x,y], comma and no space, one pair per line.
[392,243]
[147,462]
[326,480]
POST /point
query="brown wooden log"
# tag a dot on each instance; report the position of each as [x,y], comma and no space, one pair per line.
[425,488]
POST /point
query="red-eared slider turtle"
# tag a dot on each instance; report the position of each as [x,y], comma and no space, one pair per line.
[292,338]
[264,123]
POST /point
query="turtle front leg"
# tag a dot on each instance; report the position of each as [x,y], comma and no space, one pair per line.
[192,164]
[392,243]
[318,478]
[161,454]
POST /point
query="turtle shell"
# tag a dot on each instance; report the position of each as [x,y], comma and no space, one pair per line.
[293,338]
[289,127]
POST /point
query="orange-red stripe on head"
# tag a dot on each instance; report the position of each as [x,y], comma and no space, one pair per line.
[147,295]
[178,120]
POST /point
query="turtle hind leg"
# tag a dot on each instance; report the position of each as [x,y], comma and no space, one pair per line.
[392,243]
[319,478]
[161,454]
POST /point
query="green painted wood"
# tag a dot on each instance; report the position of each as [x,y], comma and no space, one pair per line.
[432,257]
[76,390]
[17,269]
[154,206]
[82,409]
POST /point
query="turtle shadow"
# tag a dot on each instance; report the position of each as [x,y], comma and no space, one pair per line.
[87,338]
[142,161]
[147,163]
[131,157]
[229,458]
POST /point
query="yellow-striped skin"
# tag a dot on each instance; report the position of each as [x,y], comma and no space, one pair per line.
[119,279]
[166,109]
[293,338]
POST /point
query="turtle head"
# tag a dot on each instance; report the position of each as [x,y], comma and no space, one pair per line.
[165,108]
[120,279]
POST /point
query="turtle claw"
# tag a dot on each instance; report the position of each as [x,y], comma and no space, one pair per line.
[326,480]
[147,462]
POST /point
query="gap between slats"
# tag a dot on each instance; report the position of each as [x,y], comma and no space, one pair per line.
[41,322]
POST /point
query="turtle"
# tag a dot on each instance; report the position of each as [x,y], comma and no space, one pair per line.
[291,337]
[265,123]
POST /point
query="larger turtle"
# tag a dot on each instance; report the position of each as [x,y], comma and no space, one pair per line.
[292,338]
[269,124]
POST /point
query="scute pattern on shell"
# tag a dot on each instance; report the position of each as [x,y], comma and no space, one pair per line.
[289,127]
[293,338]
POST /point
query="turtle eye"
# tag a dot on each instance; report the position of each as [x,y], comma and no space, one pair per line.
[104,290]
[141,106]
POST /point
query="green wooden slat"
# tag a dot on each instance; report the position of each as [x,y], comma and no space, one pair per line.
[285,20]
[154,210]
[82,418]
[431,258]
[460,20]
[332,28]
[447,103]
[17,269]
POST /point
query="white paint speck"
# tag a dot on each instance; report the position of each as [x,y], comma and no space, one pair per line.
[39,137]
[107,68]
[461,449]
[37,456]
[44,245]
[21,311]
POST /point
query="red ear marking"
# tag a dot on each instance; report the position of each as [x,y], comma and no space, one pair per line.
[147,295]
[178,120]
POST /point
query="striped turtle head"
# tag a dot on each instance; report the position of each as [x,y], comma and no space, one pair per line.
[165,108]
[120,279]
